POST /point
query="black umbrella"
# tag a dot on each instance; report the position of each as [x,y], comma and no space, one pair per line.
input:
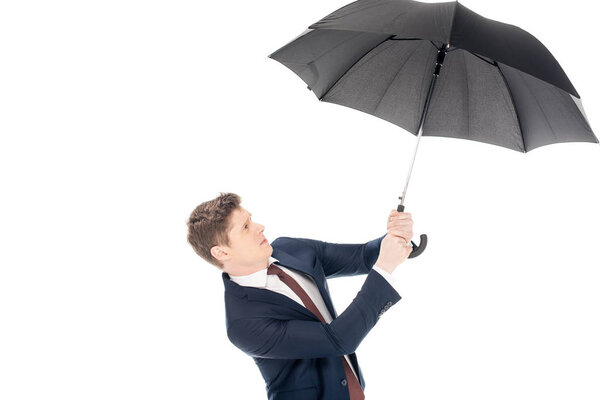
[499,84]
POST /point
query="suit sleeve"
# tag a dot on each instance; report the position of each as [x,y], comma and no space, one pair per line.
[275,338]
[345,259]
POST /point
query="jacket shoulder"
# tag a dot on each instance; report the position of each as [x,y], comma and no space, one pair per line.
[291,243]
[305,250]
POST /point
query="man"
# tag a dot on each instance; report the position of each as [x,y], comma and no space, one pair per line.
[277,304]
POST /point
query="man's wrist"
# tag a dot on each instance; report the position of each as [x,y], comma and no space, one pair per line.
[386,275]
[383,266]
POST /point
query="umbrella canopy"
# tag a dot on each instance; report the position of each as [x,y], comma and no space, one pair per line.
[499,84]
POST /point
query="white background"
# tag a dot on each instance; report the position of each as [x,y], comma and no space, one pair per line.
[118,117]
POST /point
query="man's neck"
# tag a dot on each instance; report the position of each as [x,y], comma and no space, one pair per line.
[242,271]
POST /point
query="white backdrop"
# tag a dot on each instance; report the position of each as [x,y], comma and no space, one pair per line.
[119,117]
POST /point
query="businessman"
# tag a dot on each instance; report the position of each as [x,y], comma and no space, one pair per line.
[278,308]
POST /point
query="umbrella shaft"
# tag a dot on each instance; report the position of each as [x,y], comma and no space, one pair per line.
[436,73]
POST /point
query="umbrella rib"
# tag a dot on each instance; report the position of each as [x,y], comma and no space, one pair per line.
[514,105]
[349,68]
[430,41]
[395,38]
[413,38]
[336,46]
[468,98]
[481,58]
[394,79]
[541,109]
[356,62]
[421,115]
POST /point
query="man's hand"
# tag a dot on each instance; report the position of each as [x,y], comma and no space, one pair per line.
[400,224]
[395,246]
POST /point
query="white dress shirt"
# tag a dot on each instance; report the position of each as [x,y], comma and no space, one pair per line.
[260,279]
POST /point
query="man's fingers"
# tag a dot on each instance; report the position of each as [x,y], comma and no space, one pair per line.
[396,237]
[403,243]
[396,231]
[401,222]
[399,215]
[402,219]
[405,224]
[400,226]
[406,235]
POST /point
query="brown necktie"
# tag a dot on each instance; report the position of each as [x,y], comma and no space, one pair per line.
[356,392]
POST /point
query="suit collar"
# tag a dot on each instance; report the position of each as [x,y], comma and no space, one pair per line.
[257,279]
[237,284]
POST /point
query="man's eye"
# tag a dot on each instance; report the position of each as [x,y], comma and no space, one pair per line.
[245,226]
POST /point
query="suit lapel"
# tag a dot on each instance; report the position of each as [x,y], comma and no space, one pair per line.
[263,296]
[268,296]
[314,271]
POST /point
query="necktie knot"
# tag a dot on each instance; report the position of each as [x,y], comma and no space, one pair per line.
[275,270]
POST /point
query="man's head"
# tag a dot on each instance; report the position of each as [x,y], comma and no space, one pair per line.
[222,232]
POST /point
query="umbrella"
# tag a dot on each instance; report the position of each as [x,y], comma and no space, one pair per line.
[439,69]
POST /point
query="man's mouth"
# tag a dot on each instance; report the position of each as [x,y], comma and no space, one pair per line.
[263,242]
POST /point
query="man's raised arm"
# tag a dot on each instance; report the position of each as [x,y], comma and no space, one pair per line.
[356,259]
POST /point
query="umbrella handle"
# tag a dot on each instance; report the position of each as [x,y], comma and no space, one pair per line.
[417,250]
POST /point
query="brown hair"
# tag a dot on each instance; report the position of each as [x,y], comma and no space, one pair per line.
[209,225]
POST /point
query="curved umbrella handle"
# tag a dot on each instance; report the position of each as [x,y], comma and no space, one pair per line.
[417,250]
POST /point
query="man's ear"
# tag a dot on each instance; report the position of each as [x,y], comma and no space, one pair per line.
[219,252]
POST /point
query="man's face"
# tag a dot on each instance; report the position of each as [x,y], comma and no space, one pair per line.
[248,246]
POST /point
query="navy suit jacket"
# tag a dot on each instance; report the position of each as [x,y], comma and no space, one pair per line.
[299,356]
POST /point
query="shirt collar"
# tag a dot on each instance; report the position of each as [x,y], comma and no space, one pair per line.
[257,279]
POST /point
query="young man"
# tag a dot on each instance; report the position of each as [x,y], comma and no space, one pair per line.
[277,303]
